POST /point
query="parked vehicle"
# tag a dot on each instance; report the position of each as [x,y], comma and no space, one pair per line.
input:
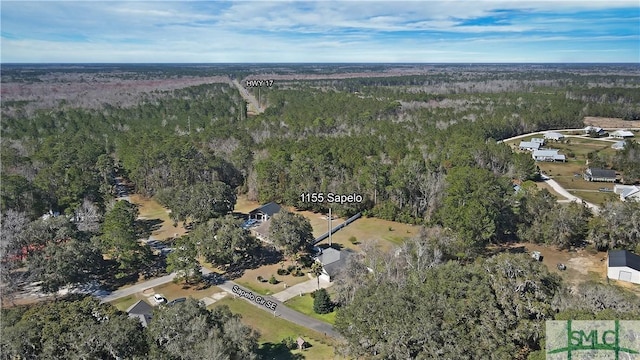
[159,299]
[177,301]
[536,255]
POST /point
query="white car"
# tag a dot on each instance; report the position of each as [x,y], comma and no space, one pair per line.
[159,299]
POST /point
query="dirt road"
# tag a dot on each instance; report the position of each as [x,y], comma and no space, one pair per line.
[252,103]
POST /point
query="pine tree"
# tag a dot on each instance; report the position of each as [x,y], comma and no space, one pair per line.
[321,302]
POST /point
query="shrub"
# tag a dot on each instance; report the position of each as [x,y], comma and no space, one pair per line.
[273,280]
[353,240]
[289,343]
[306,261]
[283,272]
[290,268]
[297,272]
[259,278]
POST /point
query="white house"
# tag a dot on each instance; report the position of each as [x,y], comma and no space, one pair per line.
[538,140]
[552,135]
[621,134]
[619,145]
[529,145]
[332,261]
[624,265]
[627,192]
[547,155]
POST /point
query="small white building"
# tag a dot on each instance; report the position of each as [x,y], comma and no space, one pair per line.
[538,140]
[552,135]
[621,134]
[548,155]
[623,265]
[619,145]
[627,192]
[594,129]
[529,145]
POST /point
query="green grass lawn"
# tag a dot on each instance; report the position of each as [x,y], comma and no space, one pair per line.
[124,303]
[304,304]
[598,198]
[273,330]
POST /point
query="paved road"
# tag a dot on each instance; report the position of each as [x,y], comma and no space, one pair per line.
[286,313]
[251,100]
[281,310]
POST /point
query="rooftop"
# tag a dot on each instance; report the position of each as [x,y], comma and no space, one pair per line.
[619,258]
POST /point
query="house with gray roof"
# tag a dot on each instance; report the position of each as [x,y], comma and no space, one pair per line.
[265,212]
[623,265]
[332,261]
[142,311]
[627,192]
[602,175]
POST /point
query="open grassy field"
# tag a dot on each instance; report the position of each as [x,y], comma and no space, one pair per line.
[605,122]
[151,210]
[304,304]
[386,233]
[250,278]
[596,197]
[273,330]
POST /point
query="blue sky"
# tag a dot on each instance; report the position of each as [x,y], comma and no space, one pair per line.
[320,31]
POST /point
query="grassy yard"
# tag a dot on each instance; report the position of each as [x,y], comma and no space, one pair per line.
[250,278]
[273,330]
[595,197]
[304,304]
[387,233]
[152,211]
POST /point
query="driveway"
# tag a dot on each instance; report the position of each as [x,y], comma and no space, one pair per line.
[302,288]
[560,190]
[282,311]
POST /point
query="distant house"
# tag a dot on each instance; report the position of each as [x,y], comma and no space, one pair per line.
[529,145]
[265,212]
[623,265]
[553,136]
[594,129]
[627,192]
[619,145]
[621,134]
[538,140]
[548,155]
[332,261]
[142,311]
[593,174]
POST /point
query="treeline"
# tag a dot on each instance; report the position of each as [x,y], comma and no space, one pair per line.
[85,328]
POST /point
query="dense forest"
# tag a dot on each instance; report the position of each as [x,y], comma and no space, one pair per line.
[421,146]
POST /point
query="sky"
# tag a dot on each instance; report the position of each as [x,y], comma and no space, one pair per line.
[453,31]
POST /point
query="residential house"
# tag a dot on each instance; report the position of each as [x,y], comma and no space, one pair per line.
[556,136]
[264,212]
[594,174]
[619,145]
[538,140]
[623,265]
[332,261]
[594,129]
[142,311]
[621,134]
[548,155]
[627,192]
[529,145]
